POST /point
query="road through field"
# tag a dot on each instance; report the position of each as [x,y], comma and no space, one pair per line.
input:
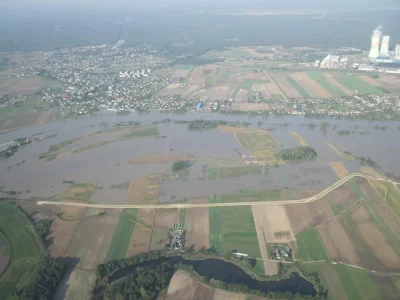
[196,205]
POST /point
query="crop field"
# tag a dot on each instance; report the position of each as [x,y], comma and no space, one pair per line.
[247,84]
[325,83]
[122,234]
[389,194]
[79,192]
[163,222]
[24,248]
[354,83]
[261,144]
[232,228]
[197,224]
[312,87]
[311,246]
[93,237]
[141,237]
[329,279]
[144,190]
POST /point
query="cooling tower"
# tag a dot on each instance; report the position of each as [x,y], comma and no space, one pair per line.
[385,46]
[397,52]
[375,41]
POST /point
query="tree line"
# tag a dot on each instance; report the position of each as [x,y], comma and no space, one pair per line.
[298,153]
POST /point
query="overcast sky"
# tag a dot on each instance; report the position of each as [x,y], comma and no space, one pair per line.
[124,5]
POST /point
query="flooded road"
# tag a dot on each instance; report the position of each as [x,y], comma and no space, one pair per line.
[107,166]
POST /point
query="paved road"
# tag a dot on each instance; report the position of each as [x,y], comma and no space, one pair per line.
[190,205]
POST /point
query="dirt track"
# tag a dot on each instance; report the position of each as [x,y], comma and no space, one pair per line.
[191,205]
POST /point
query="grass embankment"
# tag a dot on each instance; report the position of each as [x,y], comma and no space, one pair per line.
[232,228]
[122,234]
[230,172]
[311,246]
[52,153]
[342,154]
[25,248]
[301,141]
[356,84]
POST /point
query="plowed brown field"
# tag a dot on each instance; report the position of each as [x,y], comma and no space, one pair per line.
[197,224]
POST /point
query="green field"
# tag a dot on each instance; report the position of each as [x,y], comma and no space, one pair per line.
[232,228]
[227,54]
[80,192]
[230,172]
[298,88]
[248,196]
[122,235]
[352,82]
[24,247]
[277,97]
[323,81]
[24,107]
[357,283]
[247,84]
[311,246]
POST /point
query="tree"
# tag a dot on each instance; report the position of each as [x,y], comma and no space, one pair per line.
[179,165]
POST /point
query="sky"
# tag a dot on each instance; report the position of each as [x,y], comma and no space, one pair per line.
[228,4]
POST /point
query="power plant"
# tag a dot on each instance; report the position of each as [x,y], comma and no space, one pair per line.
[380,53]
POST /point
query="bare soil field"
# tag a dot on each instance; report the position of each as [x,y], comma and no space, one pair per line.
[184,286]
[232,129]
[308,215]
[270,267]
[92,238]
[336,83]
[337,243]
[71,287]
[285,86]
[62,231]
[310,86]
[371,81]
[141,236]
[250,106]
[370,171]
[390,80]
[162,158]
[273,220]
[377,243]
[273,88]
[165,218]
[197,224]
[339,168]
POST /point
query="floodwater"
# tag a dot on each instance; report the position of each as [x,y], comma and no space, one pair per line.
[108,165]
[229,273]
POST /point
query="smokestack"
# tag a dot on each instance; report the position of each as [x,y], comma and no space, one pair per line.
[375,42]
[385,46]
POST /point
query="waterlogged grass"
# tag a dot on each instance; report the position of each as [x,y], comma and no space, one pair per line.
[80,192]
[251,196]
[142,132]
[230,172]
[181,174]
[122,234]
[311,246]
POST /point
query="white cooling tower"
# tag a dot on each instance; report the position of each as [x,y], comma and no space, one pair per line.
[397,52]
[385,46]
[375,41]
